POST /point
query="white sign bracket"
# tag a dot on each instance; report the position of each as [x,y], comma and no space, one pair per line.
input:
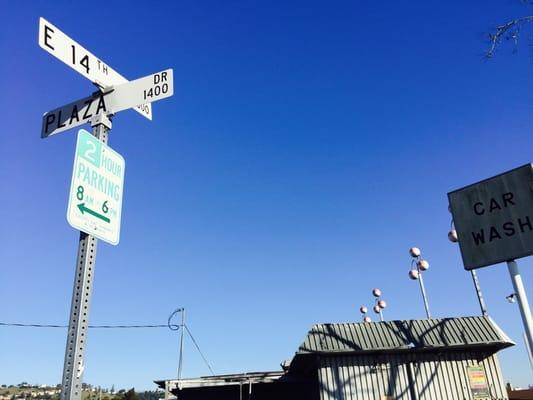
[102,119]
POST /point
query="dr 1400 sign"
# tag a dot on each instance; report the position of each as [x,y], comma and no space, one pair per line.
[160,86]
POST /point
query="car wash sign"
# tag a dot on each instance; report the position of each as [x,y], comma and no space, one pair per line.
[95,200]
[494,218]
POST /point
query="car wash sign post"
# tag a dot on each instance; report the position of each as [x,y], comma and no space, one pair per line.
[494,223]
[95,200]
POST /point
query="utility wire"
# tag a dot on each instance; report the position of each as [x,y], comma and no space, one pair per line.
[33,325]
[90,326]
[198,348]
[126,326]
[172,327]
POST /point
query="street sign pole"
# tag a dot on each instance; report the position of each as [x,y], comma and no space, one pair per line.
[424,296]
[74,364]
[523,304]
[99,174]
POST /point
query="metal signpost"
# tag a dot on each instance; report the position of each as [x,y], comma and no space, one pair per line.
[479,295]
[95,200]
[74,363]
[494,223]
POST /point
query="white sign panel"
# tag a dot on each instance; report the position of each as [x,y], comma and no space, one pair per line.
[150,88]
[77,57]
[95,199]
[73,114]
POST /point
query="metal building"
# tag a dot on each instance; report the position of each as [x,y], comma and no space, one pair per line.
[430,359]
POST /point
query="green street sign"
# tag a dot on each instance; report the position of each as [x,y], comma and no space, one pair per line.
[95,199]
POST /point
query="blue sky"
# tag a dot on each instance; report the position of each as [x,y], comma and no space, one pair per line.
[306,148]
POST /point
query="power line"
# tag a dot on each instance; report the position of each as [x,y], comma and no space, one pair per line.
[169,325]
[198,348]
[126,326]
[90,326]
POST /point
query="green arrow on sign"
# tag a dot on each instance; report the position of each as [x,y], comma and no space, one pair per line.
[83,209]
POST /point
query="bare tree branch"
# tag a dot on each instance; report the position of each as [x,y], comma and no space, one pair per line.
[507,31]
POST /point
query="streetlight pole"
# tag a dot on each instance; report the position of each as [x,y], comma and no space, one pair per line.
[363,311]
[416,274]
[424,296]
[379,304]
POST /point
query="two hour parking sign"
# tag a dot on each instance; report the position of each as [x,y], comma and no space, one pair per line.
[95,199]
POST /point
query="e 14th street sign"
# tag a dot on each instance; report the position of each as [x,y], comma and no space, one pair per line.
[151,88]
[84,62]
[494,218]
[95,199]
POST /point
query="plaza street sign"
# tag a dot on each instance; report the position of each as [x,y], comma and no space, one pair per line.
[95,199]
[130,94]
[74,114]
[78,58]
[494,218]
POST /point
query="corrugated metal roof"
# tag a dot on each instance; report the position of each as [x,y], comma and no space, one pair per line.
[463,332]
